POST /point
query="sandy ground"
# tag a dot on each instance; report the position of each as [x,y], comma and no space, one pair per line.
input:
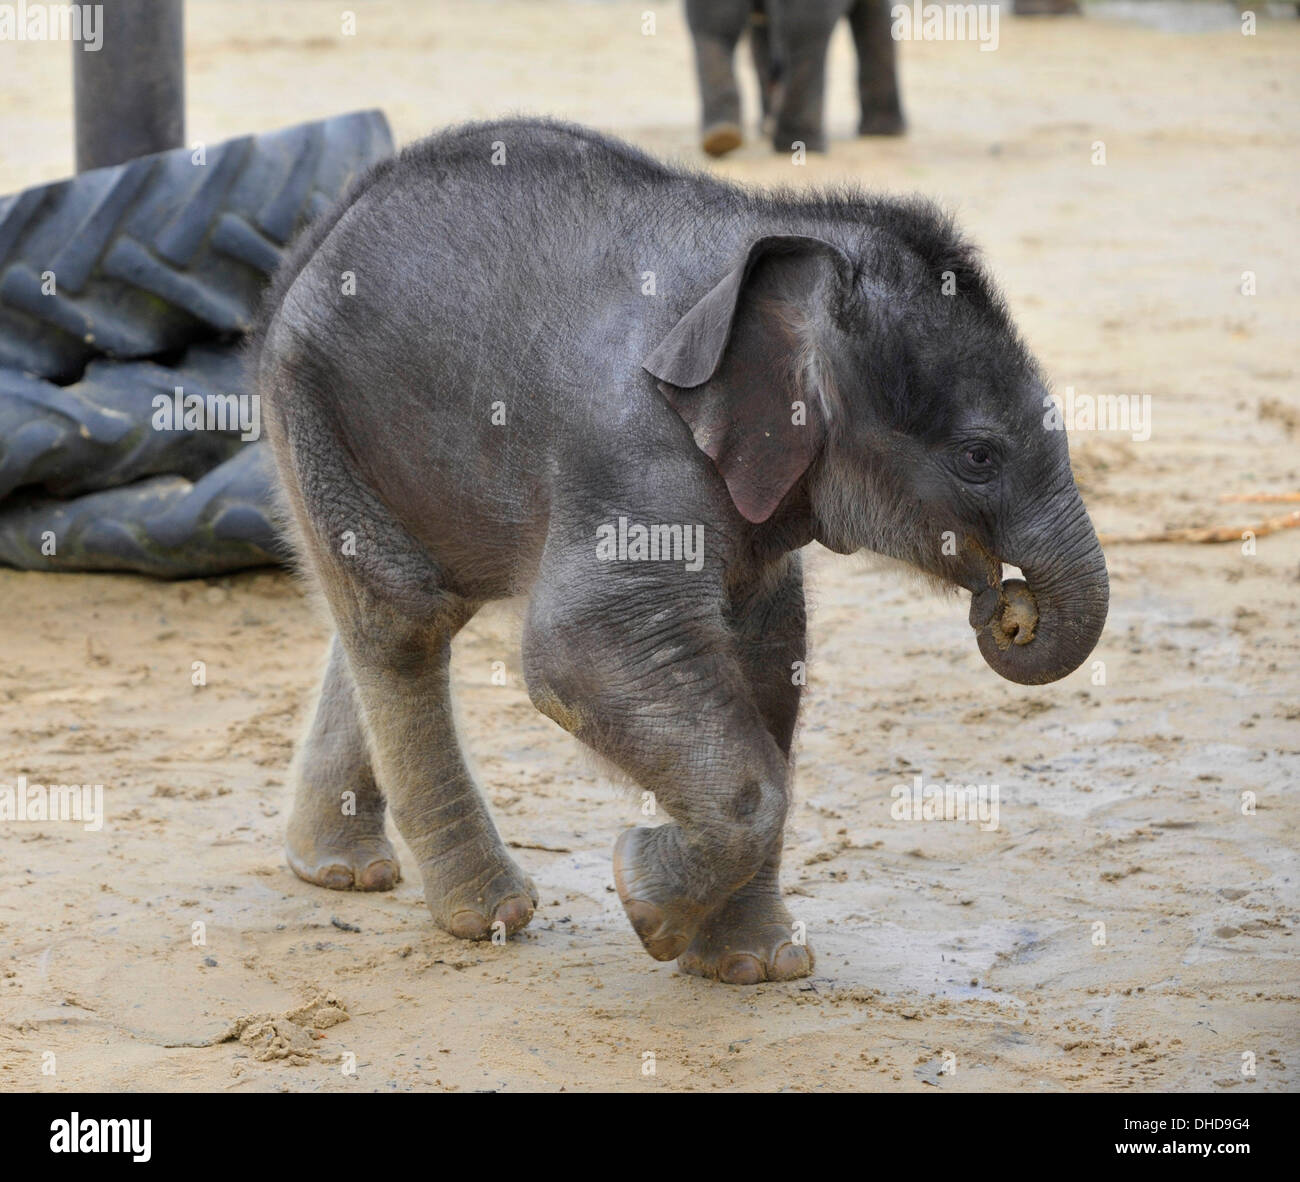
[938,944]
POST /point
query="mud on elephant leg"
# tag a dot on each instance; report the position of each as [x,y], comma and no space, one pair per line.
[716,27]
[656,688]
[336,833]
[882,110]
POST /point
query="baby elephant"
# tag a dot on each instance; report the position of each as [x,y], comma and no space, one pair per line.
[524,359]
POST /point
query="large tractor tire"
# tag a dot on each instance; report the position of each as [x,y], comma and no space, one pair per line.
[164,525]
[152,255]
[100,432]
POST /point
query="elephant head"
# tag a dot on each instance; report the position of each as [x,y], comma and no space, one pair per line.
[870,372]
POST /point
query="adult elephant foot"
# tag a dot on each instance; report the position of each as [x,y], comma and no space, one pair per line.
[721,138]
[886,121]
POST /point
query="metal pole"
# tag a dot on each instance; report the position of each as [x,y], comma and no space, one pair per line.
[130,93]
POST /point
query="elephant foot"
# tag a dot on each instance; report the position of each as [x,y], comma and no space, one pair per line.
[882,122]
[664,921]
[720,138]
[478,895]
[785,141]
[749,940]
[352,856]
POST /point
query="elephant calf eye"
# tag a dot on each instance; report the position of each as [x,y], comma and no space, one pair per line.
[977,463]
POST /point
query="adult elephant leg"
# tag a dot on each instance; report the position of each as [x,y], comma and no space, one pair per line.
[764,49]
[805,35]
[716,26]
[882,109]
[753,937]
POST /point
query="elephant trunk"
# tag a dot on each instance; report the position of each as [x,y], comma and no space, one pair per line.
[1043,628]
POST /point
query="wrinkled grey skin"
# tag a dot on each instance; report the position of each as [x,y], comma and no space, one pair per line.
[788,43]
[798,374]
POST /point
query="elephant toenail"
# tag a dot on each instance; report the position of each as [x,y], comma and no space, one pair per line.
[514,912]
[741,969]
[790,961]
[468,925]
[380,875]
[336,877]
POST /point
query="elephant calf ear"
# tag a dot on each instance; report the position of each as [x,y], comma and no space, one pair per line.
[742,369]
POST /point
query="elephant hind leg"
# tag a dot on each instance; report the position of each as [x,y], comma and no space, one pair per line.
[716,27]
[803,39]
[882,109]
[385,721]
[336,833]
[765,50]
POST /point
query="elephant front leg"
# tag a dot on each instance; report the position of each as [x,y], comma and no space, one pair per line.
[805,35]
[753,937]
[648,678]
[882,110]
[716,26]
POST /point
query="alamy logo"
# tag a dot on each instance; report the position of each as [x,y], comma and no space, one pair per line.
[633,542]
[946,22]
[946,802]
[88,1135]
[1102,412]
[53,802]
[208,412]
[53,22]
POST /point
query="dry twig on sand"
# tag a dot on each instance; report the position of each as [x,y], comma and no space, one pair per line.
[1271,525]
